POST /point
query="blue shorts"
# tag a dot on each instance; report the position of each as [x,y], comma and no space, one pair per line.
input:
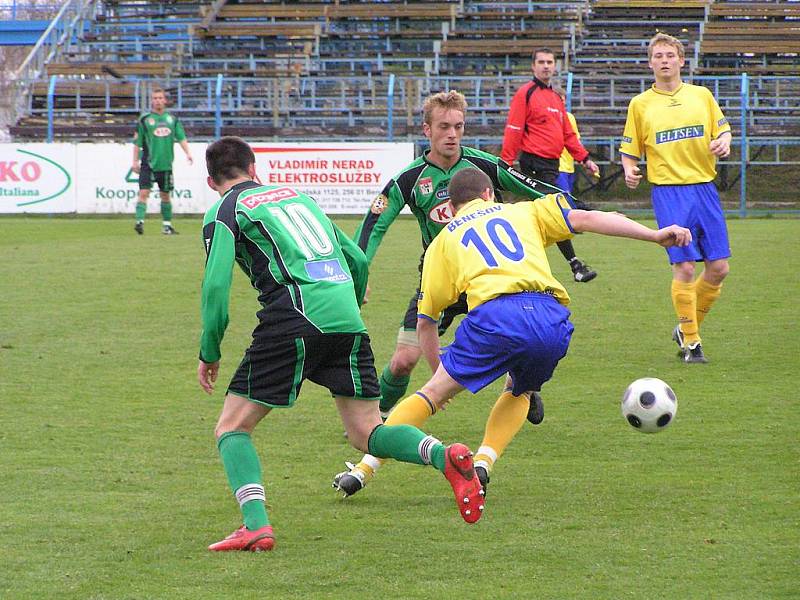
[523,334]
[565,181]
[696,207]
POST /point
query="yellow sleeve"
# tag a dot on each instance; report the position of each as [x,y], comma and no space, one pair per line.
[550,214]
[631,144]
[437,289]
[719,123]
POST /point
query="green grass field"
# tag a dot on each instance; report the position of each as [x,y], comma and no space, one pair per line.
[112,486]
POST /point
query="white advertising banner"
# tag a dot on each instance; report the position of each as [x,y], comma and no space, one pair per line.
[342,178]
[106,182]
[37,178]
[89,178]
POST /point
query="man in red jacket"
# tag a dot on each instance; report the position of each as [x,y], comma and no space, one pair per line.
[537,130]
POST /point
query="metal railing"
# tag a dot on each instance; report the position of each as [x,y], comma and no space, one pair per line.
[56,38]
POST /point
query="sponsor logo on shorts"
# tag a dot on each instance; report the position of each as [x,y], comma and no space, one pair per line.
[681,133]
[327,270]
[441,213]
[271,196]
[426,186]
[379,204]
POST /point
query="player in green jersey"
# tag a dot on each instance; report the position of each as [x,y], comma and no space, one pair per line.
[153,153]
[310,278]
[422,186]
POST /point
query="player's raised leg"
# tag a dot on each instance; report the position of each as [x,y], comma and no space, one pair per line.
[243,468]
[407,443]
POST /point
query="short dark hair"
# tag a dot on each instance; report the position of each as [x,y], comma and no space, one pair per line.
[228,158]
[466,185]
[542,50]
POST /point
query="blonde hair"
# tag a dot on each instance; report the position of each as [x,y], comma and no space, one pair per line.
[667,40]
[451,100]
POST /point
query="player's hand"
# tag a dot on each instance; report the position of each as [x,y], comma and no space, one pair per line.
[189,159]
[721,147]
[366,296]
[673,235]
[632,177]
[207,375]
[136,167]
[592,168]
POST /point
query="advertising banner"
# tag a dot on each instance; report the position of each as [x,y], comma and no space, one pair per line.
[106,182]
[342,178]
[90,178]
[37,178]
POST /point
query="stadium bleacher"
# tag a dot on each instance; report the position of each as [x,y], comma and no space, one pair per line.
[313,68]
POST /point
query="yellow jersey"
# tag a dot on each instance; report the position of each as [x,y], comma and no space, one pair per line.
[490,249]
[566,164]
[674,130]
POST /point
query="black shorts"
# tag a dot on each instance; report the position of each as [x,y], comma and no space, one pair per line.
[273,370]
[546,169]
[162,178]
[459,307]
[543,169]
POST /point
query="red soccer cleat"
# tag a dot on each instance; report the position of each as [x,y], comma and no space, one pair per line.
[460,472]
[260,540]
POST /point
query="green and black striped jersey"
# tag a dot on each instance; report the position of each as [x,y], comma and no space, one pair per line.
[422,186]
[309,275]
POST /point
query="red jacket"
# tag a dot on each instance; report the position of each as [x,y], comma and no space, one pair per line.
[541,127]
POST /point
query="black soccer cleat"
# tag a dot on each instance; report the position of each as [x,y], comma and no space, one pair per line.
[483,477]
[169,230]
[139,227]
[351,481]
[693,353]
[536,410]
[581,272]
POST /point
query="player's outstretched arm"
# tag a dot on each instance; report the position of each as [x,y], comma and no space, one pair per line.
[618,225]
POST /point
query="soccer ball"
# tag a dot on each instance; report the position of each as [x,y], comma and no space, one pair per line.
[649,405]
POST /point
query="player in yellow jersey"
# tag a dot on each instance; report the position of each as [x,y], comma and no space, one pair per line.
[566,164]
[517,320]
[681,131]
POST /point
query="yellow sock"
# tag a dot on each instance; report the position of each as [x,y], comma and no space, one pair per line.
[707,294]
[684,300]
[413,410]
[505,420]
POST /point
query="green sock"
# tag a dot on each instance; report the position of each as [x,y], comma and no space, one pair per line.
[141,210]
[408,444]
[243,469]
[393,388]
[166,211]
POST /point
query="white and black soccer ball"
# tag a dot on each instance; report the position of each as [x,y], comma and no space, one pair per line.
[649,405]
